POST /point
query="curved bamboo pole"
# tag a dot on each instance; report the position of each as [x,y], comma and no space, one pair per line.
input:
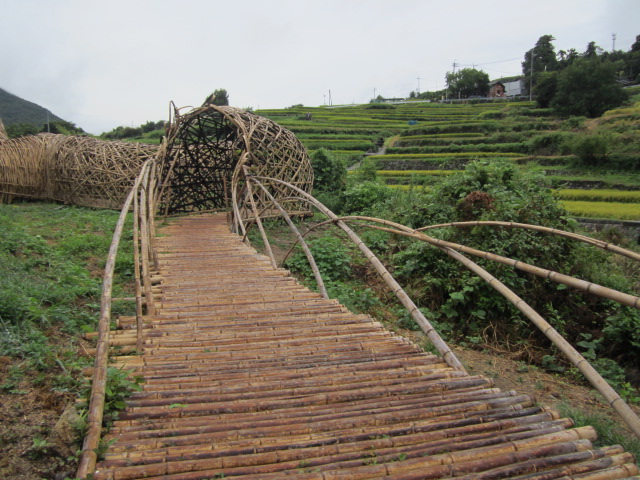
[611,396]
[596,380]
[589,287]
[263,234]
[303,244]
[400,294]
[575,236]
[88,458]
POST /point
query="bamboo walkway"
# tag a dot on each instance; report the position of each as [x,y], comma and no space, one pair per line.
[249,375]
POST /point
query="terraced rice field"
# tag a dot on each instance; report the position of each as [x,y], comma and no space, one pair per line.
[420,143]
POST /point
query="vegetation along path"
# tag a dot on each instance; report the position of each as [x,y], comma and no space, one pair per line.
[248,374]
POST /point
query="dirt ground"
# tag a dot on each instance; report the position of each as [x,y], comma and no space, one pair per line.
[27,417]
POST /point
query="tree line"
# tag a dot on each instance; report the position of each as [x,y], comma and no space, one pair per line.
[573,83]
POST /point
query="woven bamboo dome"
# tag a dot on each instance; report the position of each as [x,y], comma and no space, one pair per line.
[207,149]
[71,169]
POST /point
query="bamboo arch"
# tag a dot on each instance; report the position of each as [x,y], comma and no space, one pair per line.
[207,148]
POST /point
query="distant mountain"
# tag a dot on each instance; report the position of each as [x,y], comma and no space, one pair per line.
[14,109]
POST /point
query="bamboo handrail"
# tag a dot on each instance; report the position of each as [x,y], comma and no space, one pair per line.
[144,237]
[611,396]
[87,461]
[136,270]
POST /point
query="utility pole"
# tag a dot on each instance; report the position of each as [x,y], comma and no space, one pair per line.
[531,77]
[454,66]
[613,38]
[418,91]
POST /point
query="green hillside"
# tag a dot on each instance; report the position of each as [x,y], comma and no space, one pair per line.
[14,109]
[420,144]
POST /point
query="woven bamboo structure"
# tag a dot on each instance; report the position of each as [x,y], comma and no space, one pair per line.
[3,132]
[207,150]
[71,169]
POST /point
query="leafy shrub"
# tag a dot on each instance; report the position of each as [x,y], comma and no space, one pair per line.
[591,149]
[492,114]
[363,197]
[555,143]
[573,123]
[331,255]
[329,173]
[449,289]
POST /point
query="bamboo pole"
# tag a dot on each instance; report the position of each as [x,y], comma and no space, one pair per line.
[136,266]
[589,287]
[599,383]
[87,461]
[582,238]
[400,294]
[265,239]
[151,206]
[305,247]
[144,236]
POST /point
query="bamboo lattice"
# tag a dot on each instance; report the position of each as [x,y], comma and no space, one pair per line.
[207,148]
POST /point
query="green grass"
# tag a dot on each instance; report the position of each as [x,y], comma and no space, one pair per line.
[609,433]
[51,259]
[611,210]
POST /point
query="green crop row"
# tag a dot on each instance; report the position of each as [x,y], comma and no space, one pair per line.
[517,147]
[411,156]
[339,145]
[599,195]
[425,188]
[613,210]
[408,173]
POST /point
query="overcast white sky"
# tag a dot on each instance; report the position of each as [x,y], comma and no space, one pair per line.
[101,64]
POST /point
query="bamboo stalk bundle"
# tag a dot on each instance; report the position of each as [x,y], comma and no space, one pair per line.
[207,148]
[23,166]
[71,169]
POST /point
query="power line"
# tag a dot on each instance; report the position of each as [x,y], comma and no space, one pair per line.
[490,63]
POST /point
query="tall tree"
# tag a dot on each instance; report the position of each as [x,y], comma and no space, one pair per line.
[544,59]
[467,82]
[633,60]
[588,87]
[218,97]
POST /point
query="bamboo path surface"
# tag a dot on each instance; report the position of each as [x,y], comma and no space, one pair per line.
[249,375]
